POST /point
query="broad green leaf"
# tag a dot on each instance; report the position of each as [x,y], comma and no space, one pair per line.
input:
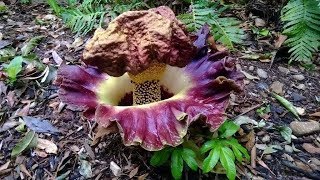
[208,145]
[176,164]
[211,161]
[237,149]
[190,158]
[227,162]
[28,141]
[30,45]
[287,104]
[160,157]
[228,129]
[14,68]
[286,133]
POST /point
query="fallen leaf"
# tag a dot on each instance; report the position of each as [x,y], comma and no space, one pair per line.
[4,166]
[39,125]
[316,114]
[277,87]
[27,142]
[116,170]
[250,56]
[143,176]
[280,41]
[11,98]
[89,150]
[24,170]
[3,88]
[310,148]
[253,156]
[133,172]
[251,140]
[56,58]
[85,169]
[301,111]
[41,153]
[287,104]
[264,165]
[47,146]
[102,131]
[77,42]
[8,125]
[249,76]
[245,120]
[286,133]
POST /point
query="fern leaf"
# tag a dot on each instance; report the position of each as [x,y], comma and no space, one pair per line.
[85,18]
[224,29]
[302,26]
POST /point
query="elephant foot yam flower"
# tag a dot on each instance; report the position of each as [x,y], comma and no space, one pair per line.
[146,75]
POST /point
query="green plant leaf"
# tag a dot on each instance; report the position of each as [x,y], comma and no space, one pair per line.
[14,68]
[55,6]
[160,157]
[176,163]
[27,142]
[208,145]
[237,148]
[302,26]
[210,162]
[30,45]
[286,133]
[227,129]
[227,162]
[287,104]
[190,158]
[225,29]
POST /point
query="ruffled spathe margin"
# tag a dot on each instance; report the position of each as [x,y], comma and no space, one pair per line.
[155,125]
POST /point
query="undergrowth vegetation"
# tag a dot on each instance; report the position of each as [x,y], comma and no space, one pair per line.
[219,153]
[302,26]
[83,17]
[224,29]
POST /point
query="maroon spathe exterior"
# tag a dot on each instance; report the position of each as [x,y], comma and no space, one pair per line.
[165,122]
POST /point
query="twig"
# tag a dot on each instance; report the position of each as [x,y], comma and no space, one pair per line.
[248,110]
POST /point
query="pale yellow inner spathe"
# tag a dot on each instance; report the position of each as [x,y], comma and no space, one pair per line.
[112,90]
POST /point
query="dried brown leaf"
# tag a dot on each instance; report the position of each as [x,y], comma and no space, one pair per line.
[310,148]
[47,146]
[102,131]
[56,58]
[24,170]
[4,166]
[280,41]
[264,165]
[89,150]
[143,176]
[316,114]
[133,172]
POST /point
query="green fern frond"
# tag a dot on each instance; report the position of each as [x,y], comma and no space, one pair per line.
[225,29]
[302,26]
[85,18]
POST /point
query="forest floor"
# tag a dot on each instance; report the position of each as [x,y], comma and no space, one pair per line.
[35,97]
